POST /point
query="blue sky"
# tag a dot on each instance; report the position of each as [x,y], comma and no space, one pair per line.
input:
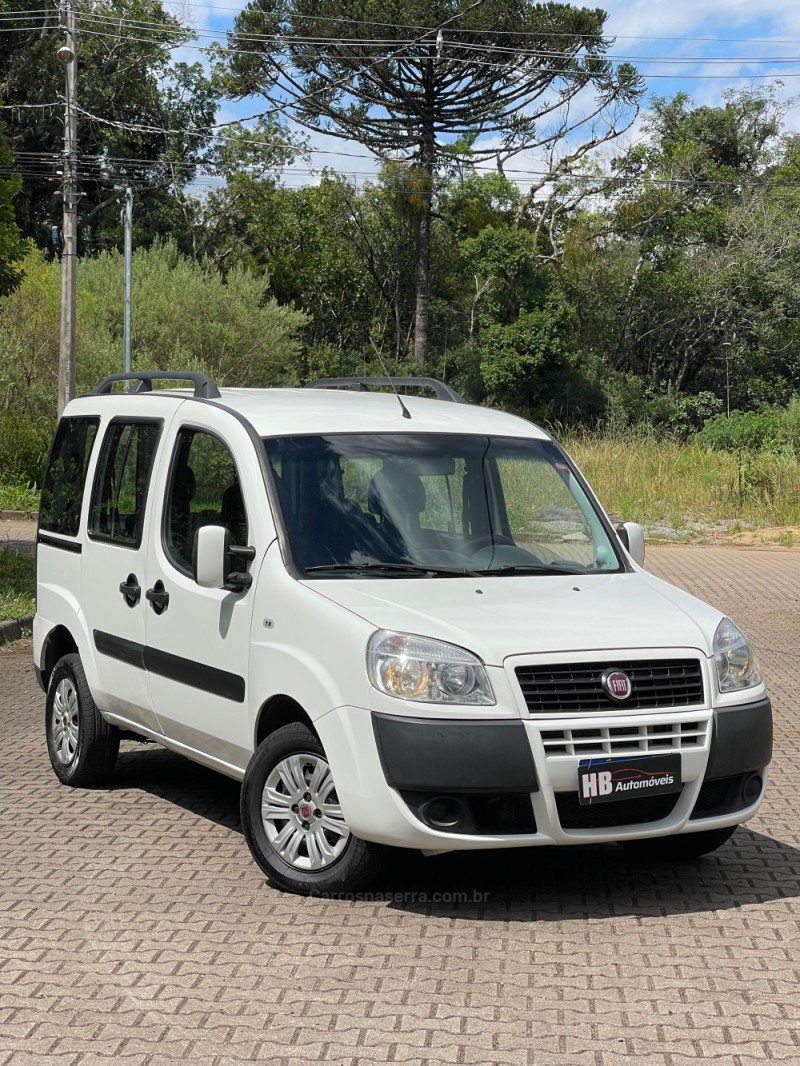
[702,47]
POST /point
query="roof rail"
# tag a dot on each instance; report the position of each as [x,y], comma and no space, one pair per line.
[204,387]
[362,384]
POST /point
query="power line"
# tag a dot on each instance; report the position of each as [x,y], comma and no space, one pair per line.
[349,42]
[519,172]
[418,28]
[647,75]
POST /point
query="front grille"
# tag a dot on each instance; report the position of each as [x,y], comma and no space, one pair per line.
[625,739]
[574,688]
[573,815]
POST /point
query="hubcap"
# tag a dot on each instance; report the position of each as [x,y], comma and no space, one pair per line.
[301,814]
[64,724]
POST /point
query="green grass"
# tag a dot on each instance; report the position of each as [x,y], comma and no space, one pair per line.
[17,585]
[652,480]
[19,497]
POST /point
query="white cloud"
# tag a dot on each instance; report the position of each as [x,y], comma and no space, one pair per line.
[716,18]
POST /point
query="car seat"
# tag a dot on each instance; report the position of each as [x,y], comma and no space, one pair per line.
[397,498]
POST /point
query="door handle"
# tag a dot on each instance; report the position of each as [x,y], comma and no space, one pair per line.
[131,590]
[158,597]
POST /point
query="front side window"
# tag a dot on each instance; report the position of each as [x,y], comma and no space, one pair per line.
[120,488]
[63,485]
[358,502]
[203,490]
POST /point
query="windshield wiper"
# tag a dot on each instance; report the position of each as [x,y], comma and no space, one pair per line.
[531,568]
[399,568]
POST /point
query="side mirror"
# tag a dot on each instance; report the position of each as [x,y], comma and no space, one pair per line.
[209,556]
[632,536]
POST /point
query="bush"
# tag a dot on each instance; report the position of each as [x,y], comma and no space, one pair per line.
[751,431]
[23,449]
[186,316]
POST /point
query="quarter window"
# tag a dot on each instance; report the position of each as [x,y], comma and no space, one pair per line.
[120,488]
[63,485]
[203,490]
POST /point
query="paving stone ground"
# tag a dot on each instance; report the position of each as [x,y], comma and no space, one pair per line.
[134,926]
[19,534]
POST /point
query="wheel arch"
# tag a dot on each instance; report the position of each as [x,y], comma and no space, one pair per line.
[59,642]
[277,711]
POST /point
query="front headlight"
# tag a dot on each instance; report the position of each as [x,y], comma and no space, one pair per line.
[735,660]
[429,671]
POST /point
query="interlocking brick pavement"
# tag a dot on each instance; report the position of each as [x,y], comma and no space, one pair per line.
[134,926]
[19,534]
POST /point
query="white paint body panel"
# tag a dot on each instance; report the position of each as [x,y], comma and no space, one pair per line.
[307,639]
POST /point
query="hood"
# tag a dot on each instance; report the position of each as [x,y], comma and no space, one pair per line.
[496,617]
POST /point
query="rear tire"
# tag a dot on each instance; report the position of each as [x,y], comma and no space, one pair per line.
[683,848]
[82,746]
[292,820]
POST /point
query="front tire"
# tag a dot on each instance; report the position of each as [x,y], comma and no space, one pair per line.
[683,848]
[82,746]
[293,822]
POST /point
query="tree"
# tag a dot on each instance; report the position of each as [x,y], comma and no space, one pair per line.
[130,89]
[422,82]
[11,247]
[679,283]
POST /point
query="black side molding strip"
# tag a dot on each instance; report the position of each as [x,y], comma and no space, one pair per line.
[198,675]
[65,545]
[127,651]
[185,671]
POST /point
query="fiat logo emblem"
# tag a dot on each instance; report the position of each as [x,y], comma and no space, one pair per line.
[616,684]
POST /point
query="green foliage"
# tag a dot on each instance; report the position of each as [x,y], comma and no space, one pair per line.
[17,585]
[691,281]
[11,247]
[770,430]
[185,316]
[630,402]
[23,449]
[644,478]
[426,109]
[19,496]
[525,361]
[132,79]
[29,332]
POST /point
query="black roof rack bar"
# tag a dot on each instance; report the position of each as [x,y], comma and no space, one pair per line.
[442,391]
[204,387]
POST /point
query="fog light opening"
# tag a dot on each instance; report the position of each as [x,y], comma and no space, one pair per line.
[751,789]
[443,812]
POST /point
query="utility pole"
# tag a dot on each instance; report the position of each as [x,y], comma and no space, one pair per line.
[127,215]
[68,55]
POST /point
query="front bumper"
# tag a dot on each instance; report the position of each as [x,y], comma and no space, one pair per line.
[504,786]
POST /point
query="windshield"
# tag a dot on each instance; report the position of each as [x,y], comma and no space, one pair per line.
[400,505]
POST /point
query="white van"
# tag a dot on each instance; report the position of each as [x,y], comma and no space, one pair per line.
[397,620]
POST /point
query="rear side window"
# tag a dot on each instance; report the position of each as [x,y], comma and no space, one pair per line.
[63,485]
[120,486]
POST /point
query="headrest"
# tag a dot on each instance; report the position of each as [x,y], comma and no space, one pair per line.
[394,492]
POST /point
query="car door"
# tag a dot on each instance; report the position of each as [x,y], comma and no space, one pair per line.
[113,570]
[198,638]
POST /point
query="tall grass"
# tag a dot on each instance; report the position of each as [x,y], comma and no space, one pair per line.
[17,496]
[652,480]
[17,585]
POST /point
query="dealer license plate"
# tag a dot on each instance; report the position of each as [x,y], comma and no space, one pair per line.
[608,780]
